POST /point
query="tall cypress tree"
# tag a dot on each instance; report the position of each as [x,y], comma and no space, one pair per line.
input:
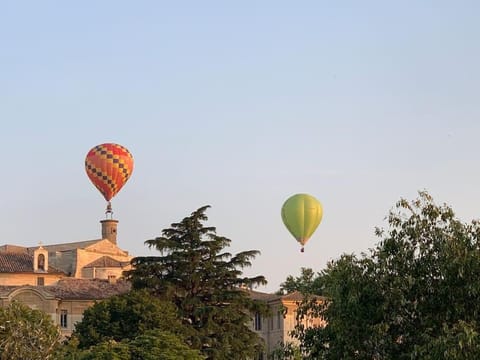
[207,285]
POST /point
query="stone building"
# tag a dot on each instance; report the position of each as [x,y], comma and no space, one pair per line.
[64,279]
[66,300]
[276,328]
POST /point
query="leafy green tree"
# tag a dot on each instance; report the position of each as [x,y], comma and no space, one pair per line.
[307,282]
[286,351]
[161,345]
[457,342]
[68,350]
[26,334]
[126,317]
[107,350]
[205,283]
[415,295]
[151,345]
[351,310]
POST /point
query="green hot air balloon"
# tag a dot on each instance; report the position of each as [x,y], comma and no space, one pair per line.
[301,214]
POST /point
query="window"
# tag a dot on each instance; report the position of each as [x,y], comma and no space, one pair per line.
[41,262]
[258,321]
[64,319]
[279,320]
[40,281]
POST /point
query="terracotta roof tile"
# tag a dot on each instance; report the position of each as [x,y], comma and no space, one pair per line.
[257,295]
[293,296]
[88,289]
[77,289]
[18,262]
[15,262]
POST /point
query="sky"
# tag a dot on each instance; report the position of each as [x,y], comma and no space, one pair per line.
[237,105]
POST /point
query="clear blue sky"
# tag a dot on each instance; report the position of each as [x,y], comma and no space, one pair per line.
[238,105]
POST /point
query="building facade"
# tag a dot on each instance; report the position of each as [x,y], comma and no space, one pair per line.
[64,301]
[276,328]
[64,279]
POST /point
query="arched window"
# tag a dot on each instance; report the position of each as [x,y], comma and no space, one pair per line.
[41,262]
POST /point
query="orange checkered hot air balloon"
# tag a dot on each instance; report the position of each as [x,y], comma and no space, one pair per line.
[109,166]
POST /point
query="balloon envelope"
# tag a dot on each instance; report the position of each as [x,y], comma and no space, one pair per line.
[109,166]
[302,214]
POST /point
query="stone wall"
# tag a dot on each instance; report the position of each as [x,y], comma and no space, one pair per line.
[74,309]
[103,272]
[15,279]
[85,257]
[63,260]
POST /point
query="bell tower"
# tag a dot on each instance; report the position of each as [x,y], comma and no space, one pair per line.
[109,230]
[40,259]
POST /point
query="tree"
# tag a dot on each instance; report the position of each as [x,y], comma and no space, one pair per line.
[206,285]
[161,345]
[131,326]
[305,283]
[351,311]
[151,345]
[107,350]
[126,317]
[286,351]
[26,333]
[415,294]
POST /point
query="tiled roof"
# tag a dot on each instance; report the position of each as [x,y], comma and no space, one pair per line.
[76,289]
[293,296]
[298,296]
[17,262]
[88,289]
[107,261]
[257,295]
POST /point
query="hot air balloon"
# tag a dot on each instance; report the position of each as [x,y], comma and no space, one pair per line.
[109,166]
[302,214]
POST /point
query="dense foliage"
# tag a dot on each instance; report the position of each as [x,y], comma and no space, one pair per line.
[155,345]
[205,283]
[307,283]
[26,333]
[415,295]
[151,345]
[126,317]
[133,326]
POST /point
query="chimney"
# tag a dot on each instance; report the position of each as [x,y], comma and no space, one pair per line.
[109,230]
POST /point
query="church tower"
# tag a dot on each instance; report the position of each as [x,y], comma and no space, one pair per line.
[109,230]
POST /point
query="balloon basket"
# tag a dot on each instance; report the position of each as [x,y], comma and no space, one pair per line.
[109,211]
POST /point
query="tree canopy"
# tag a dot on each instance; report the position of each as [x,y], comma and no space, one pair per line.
[151,345]
[26,333]
[156,344]
[415,295]
[126,317]
[206,284]
[131,326]
[306,283]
